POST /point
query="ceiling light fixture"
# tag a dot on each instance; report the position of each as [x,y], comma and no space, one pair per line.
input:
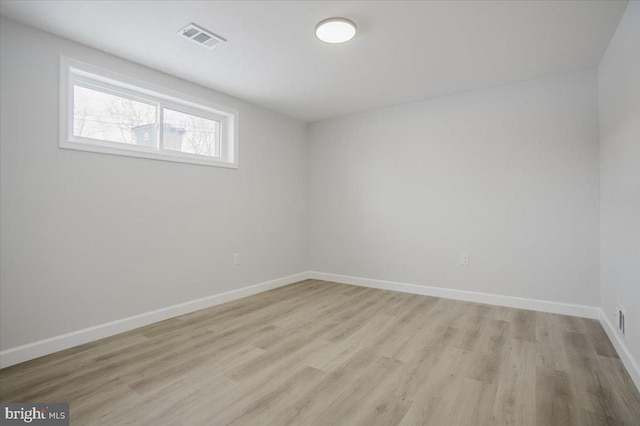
[335,30]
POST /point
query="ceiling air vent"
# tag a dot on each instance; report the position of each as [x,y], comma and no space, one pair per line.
[201,36]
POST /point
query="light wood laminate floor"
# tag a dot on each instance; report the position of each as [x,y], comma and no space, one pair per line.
[321,353]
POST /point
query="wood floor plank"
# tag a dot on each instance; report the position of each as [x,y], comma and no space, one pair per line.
[321,353]
[516,383]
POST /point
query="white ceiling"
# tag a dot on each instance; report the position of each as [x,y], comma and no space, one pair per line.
[404,51]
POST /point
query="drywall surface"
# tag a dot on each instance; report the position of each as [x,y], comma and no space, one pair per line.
[89,238]
[619,101]
[508,175]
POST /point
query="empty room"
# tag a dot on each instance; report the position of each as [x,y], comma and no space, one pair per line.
[320,212]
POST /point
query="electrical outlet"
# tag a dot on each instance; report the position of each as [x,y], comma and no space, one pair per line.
[464,259]
[620,318]
[236,258]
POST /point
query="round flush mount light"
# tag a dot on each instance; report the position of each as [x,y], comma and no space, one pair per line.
[335,30]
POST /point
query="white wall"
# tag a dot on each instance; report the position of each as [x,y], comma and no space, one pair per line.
[619,101]
[89,238]
[508,175]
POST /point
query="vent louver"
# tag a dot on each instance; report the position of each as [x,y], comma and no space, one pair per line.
[201,36]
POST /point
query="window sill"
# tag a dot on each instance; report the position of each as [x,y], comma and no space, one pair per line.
[163,156]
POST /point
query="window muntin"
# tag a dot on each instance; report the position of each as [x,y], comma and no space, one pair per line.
[112,114]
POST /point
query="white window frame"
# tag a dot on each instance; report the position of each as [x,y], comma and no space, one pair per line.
[73,72]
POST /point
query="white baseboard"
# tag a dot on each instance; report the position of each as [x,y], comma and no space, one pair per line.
[630,363]
[583,311]
[592,312]
[57,343]
[43,347]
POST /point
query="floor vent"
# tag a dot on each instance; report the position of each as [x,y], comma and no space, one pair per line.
[201,36]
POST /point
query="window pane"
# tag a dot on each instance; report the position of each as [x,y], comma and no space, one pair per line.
[108,117]
[190,133]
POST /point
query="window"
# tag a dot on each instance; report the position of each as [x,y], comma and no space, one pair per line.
[113,114]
